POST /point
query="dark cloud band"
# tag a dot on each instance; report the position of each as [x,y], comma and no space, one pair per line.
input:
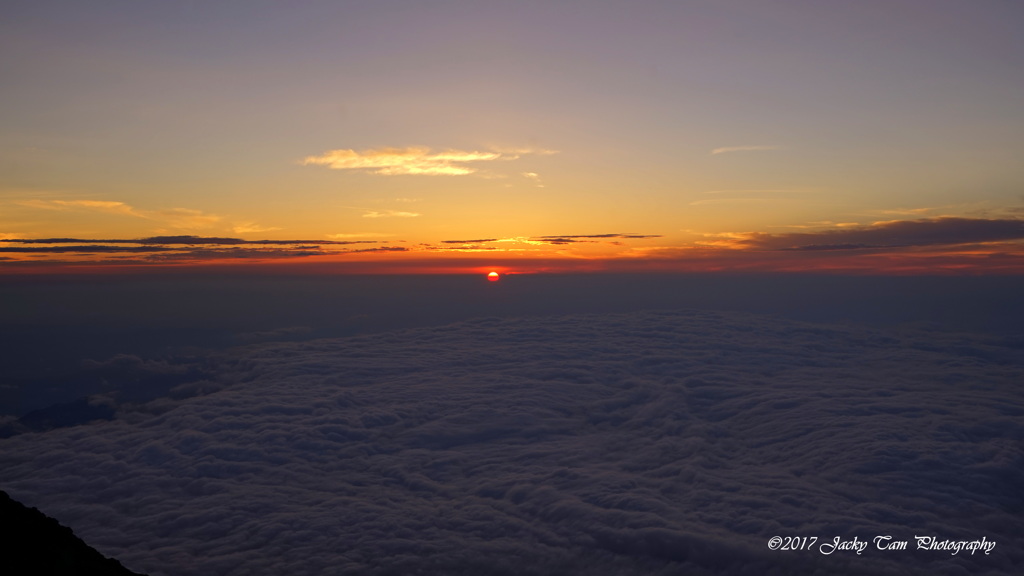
[899,234]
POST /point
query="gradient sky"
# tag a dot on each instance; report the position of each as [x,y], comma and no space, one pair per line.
[522,136]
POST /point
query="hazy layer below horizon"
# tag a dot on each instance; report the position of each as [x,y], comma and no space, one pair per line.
[59,335]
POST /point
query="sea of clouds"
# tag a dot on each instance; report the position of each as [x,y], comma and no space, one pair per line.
[634,443]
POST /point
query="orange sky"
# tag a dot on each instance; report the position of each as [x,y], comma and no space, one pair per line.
[859,137]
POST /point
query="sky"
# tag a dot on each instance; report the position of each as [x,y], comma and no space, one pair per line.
[467,136]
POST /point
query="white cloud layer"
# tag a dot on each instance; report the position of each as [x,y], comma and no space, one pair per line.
[650,443]
[392,161]
[413,160]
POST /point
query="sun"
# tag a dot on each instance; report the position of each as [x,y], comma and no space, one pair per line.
[493,276]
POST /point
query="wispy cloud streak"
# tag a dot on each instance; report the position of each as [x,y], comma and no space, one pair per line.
[754,148]
[574,238]
[110,207]
[412,160]
[181,218]
[390,214]
[178,240]
[158,249]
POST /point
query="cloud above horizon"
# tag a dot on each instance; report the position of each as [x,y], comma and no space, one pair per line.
[930,246]
[391,214]
[576,238]
[344,236]
[252,228]
[753,148]
[183,248]
[557,239]
[891,234]
[180,218]
[476,241]
[110,207]
[177,240]
[414,160]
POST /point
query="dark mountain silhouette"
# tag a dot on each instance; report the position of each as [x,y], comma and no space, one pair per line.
[33,544]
